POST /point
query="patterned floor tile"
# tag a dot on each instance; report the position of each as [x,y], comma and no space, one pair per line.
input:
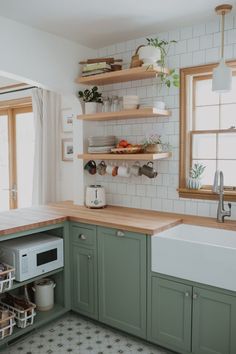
[76,335]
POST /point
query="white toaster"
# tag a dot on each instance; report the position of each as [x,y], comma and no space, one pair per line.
[95,196]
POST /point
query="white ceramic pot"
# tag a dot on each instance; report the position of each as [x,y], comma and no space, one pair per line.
[149,54]
[194,183]
[90,107]
[160,105]
[44,294]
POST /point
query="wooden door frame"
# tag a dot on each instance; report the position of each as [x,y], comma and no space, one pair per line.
[11,108]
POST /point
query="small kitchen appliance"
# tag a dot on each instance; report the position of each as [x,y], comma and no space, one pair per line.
[95,196]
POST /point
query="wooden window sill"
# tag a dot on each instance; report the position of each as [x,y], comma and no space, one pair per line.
[205,194]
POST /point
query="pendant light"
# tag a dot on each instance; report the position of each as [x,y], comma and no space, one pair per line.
[222,74]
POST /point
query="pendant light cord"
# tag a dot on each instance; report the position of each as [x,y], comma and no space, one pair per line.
[223,35]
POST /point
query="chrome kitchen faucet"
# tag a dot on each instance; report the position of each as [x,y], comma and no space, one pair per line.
[218,187]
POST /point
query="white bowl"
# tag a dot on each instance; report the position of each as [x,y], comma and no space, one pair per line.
[130,106]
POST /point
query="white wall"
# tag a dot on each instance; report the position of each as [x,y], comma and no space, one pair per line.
[196,45]
[39,57]
[51,62]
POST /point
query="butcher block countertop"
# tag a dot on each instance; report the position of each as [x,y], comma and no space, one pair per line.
[137,220]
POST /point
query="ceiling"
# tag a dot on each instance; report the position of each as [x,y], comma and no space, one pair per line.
[100,23]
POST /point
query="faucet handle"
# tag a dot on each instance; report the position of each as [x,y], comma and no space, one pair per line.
[230,206]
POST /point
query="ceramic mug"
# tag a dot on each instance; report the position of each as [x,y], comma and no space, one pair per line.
[123,171]
[148,170]
[91,167]
[135,169]
[109,169]
[101,168]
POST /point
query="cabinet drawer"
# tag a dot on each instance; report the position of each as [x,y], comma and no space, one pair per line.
[83,234]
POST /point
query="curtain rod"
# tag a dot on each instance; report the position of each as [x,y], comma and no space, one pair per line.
[23,89]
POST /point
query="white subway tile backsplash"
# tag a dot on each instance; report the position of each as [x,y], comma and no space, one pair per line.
[212,55]
[197,44]
[199,30]
[181,47]
[186,32]
[193,44]
[206,41]
[212,27]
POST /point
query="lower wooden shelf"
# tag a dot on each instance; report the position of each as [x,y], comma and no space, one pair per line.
[41,318]
[135,157]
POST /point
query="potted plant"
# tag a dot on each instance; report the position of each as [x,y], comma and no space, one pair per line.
[168,80]
[195,176]
[150,54]
[91,98]
[153,144]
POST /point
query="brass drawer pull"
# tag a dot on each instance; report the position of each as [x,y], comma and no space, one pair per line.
[82,237]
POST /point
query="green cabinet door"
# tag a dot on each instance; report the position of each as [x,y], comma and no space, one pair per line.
[169,314]
[122,280]
[84,281]
[214,322]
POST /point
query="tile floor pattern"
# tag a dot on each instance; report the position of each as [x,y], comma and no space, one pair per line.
[73,334]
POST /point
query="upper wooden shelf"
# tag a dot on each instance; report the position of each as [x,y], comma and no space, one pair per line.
[135,157]
[126,114]
[114,77]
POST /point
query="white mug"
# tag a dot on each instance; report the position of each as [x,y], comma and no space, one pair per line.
[135,169]
[123,171]
[109,169]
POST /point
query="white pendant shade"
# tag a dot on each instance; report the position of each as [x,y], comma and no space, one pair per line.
[222,78]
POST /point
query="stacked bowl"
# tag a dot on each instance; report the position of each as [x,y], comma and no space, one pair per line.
[130,102]
[101,144]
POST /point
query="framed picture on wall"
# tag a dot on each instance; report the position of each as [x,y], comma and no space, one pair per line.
[67,149]
[67,121]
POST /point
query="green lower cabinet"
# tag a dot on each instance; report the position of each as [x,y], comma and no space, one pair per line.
[122,280]
[214,322]
[84,281]
[169,314]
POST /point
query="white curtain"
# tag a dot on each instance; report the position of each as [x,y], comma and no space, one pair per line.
[46,108]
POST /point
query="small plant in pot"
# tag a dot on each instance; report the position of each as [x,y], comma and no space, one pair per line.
[195,176]
[168,80]
[153,144]
[92,99]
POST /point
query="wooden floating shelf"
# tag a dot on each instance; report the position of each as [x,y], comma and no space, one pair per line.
[114,77]
[126,114]
[135,157]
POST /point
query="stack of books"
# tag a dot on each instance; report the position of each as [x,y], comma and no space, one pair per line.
[100,65]
[95,68]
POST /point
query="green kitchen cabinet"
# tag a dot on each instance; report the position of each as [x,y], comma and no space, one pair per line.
[122,280]
[84,282]
[170,314]
[84,270]
[214,322]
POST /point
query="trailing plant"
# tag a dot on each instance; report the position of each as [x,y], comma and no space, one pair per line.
[171,79]
[91,95]
[197,170]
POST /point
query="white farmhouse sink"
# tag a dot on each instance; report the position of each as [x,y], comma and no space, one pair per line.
[201,254]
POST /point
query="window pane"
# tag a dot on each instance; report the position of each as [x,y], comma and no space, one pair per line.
[4,164]
[229,170]
[230,97]
[204,146]
[209,173]
[207,118]
[204,93]
[227,146]
[228,116]
[25,158]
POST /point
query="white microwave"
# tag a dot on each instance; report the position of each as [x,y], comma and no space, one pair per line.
[32,255]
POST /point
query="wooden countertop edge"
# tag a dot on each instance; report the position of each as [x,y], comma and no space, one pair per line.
[150,223]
